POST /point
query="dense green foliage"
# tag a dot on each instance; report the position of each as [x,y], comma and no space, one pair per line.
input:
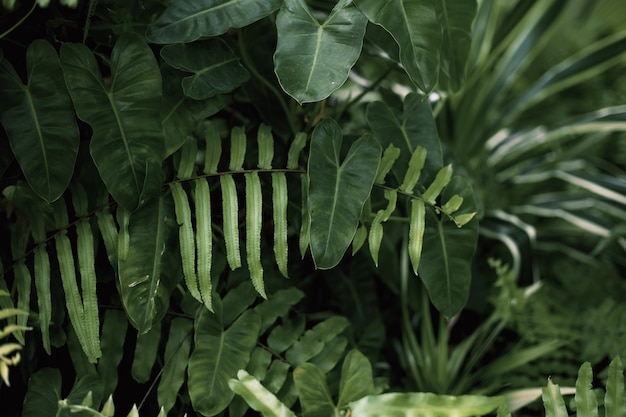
[352,207]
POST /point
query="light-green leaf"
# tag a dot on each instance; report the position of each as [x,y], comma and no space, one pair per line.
[313,59]
[416,29]
[258,397]
[586,401]
[127,144]
[337,190]
[184,21]
[553,400]
[356,378]
[313,391]
[614,397]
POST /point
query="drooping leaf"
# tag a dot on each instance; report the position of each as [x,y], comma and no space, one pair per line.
[456,18]
[39,121]
[415,128]
[151,269]
[446,248]
[146,350]
[215,67]
[313,59]
[258,397]
[337,190]
[176,357]
[127,144]
[356,378]
[416,29]
[313,391]
[43,395]
[185,21]
[424,404]
[217,357]
[113,337]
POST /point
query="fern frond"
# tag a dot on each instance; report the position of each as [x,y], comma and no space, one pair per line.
[443,177]
[237,148]
[390,155]
[279,205]
[213,151]
[204,240]
[22,277]
[293,155]
[376,229]
[414,170]
[254,222]
[44,296]
[109,233]
[417,228]
[187,161]
[123,237]
[230,212]
[305,226]
[265,141]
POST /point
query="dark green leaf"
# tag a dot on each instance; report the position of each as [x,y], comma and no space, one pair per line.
[278,305]
[337,190]
[146,350]
[216,68]
[356,378]
[176,358]
[127,144]
[39,121]
[444,268]
[152,267]
[84,386]
[313,340]
[285,335]
[184,21]
[217,356]
[113,338]
[43,395]
[313,391]
[414,26]
[313,59]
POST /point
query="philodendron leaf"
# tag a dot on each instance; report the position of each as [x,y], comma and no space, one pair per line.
[313,391]
[186,21]
[337,190]
[446,248]
[44,393]
[415,128]
[218,355]
[39,120]
[127,144]
[215,67]
[424,404]
[456,18]
[356,378]
[416,29]
[313,59]
[151,269]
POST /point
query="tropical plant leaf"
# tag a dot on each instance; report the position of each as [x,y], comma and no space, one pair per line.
[278,305]
[446,248]
[312,341]
[313,391]
[415,128]
[146,350]
[553,400]
[184,21]
[215,67]
[43,394]
[337,190]
[217,357]
[114,327]
[39,121]
[127,143]
[424,404]
[356,378]
[258,397]
[313,59]
[614,396]
[280,202]
[254,223]
[586,401]
[176,357]
[456,18]
[416,29]
[151,270]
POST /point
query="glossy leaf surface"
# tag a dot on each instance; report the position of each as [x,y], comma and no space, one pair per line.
[39,121]
[337,190]
[217,357]
[216,69]
[313,59]
[151,269]
[416,29]
[184,21]
[127,143]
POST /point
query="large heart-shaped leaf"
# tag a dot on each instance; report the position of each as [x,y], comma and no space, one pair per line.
[43,395]
[444,268]
[39,120]
[151,269]
[186,21]
[455,17]
[217,356]
[313,59]
[216,68]
[415,128]
[416,29]
[179,114]
[127,144]
[337,190]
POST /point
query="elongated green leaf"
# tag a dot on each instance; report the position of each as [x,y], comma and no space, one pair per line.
[586,401]
[44,299]
[313,59]
[443,267]
[215,67]
[427,405]
[230,211]
[258,397]
[43,395]
[313,391]
[265,140]
[176,356]
[254,222]
[39,121]
[283,336]
[313,340]
[553,400]
[127,143]
[278,305]
[356,378]
[113,337]
[293,155]
[217,357]
[376,229]
[614,396]
[279,207]
[417,228]
[416,127]
[151,270]
[337,190]
[416,29]
[185,21]
[213,151]
[204,240]
[146,350]
[455,18]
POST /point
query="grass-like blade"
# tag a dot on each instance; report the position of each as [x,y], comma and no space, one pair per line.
[279,204]
[230,212]
[254,222]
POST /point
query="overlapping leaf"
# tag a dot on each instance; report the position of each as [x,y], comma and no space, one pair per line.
[39,120]
[313,59]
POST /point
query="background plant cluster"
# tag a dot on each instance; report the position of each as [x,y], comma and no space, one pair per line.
[312,208]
